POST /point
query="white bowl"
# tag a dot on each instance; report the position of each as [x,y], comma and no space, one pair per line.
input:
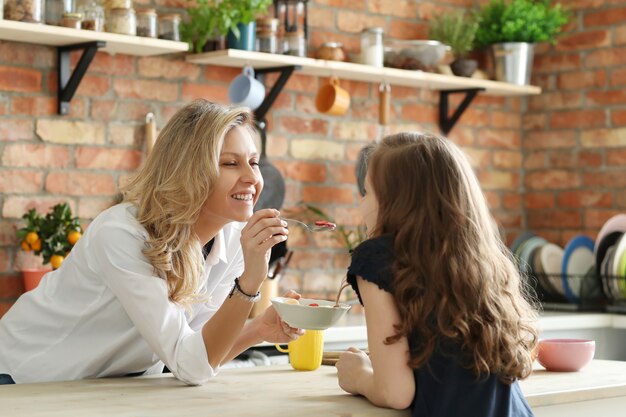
[308,317]
[414,54]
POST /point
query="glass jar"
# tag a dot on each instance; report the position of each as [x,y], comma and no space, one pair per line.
[122,21]
[72,20]
[114,4]
[24,10]
[55,10]
[147,23]
[169,27]
[266,40]
[93,17]
[331,51]
[372,52]
[294,43]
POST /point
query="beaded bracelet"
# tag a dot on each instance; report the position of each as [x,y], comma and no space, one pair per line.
[242,294]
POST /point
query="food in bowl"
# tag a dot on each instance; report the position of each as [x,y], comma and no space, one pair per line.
[565,355]
[414,55]
[309,313]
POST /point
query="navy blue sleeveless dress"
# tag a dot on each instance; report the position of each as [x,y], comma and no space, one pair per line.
[443,388]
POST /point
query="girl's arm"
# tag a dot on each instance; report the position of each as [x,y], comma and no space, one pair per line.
[385,377]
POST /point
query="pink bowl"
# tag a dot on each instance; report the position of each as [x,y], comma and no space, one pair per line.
[565,355]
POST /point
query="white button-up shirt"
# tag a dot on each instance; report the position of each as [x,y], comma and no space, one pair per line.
[105,313]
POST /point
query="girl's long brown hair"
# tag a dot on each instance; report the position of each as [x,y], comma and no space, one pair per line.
[453,276]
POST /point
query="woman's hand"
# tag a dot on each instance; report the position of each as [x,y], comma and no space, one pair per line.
[271,328]
[351,367]
[264,230]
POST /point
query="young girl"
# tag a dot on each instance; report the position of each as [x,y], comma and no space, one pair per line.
[167,277]
[449,329]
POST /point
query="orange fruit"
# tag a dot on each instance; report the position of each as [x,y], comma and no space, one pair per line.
[36,246]
[31,237]
[56,261]
[73,237]
[26,246]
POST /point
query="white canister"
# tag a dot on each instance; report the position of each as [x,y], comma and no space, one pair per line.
[372,52]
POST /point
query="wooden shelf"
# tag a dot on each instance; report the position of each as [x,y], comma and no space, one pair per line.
[359,72]
[61,36]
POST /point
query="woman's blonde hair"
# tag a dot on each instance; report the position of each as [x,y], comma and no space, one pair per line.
[172,186]
[453,277]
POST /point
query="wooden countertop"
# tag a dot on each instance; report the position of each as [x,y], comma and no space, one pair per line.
[267,391]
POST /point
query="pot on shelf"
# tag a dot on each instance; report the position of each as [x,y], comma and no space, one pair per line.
[513,62]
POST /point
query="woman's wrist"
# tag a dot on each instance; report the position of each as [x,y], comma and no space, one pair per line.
[249,285]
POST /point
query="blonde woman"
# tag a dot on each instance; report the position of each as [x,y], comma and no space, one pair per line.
[166,277]
[449,328]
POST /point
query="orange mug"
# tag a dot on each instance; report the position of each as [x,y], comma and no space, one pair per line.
[332,99]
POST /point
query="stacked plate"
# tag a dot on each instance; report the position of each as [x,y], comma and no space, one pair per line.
[610,258]
[559,272]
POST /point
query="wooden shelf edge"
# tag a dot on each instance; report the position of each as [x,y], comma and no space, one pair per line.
[60,36]
[359,72]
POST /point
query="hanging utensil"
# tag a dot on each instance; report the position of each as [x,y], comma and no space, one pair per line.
[384,103]
[273,194]
[150,132]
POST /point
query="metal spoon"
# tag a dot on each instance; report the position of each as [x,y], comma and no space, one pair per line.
[312,227]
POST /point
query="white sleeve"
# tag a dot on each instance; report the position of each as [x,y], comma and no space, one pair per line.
[119,260]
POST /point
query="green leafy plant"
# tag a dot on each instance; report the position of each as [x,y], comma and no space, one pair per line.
[350,238]
[520,21]
[211,17]
[52,235]
[455,30]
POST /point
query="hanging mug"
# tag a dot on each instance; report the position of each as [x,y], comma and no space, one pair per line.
[332,99]
[245,90]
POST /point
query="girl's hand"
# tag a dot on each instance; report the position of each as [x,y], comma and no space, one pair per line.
[264,230]
[351,367]
[272,329]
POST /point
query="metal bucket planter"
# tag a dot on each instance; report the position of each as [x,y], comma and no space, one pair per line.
[513,62]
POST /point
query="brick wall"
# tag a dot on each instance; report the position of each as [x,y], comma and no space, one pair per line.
[82,158]
[574,134]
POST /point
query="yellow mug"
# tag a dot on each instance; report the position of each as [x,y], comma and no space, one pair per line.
[305,353]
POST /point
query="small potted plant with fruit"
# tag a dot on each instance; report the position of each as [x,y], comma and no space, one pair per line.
[52,236]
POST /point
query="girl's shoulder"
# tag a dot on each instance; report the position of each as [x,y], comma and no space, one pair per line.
[372,260]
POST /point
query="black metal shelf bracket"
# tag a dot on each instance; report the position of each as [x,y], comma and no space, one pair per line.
[446,122]
[69,81]
[285,74]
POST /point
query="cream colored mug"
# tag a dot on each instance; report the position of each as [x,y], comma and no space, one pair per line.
[305,353]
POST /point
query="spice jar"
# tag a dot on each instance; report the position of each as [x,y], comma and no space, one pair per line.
[294,43]
[147,23]
[24,10]
[114,4]
[122,21]
[372,52]
[93,17]
[331,51]
[55,10]
[72,20]
[266,40]
[169,25]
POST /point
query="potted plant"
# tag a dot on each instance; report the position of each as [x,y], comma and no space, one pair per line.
[52,236]
[458,32]
[206,27]
[512,28]
[242,27]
